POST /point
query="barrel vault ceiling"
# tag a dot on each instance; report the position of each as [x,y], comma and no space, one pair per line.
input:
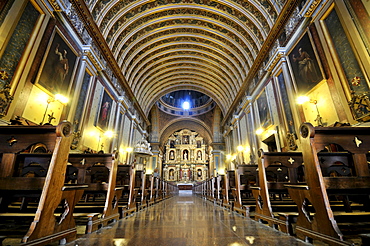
[202,45]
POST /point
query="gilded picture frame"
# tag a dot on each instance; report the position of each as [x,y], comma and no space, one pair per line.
[105,108]
[58,65]
[305,65]
[263,110]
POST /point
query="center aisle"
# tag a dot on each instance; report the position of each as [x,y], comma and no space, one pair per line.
[186,220]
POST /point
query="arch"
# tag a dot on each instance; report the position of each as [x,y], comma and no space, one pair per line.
[189,123]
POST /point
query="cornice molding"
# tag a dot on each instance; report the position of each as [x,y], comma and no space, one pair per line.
[55,5]
[279,53]
[312,8]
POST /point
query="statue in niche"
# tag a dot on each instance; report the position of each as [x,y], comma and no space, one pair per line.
[172,174]
[172,144]
[185,155]
[199,155]
[172,155]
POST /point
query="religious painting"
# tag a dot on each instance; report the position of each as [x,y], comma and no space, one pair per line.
[305,66]
[263,110]
[13,49]
[357,84]
[291,135]
[105,108]
[360,13]
[285,103]
[58,65]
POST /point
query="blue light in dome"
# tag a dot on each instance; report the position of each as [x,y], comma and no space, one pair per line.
[186,105]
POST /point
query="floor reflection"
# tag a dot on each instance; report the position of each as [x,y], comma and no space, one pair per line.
[189,221]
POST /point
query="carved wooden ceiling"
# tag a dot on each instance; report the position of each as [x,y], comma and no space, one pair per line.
[202,45]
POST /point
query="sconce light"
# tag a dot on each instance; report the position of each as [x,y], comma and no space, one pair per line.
[108,134]
[259,131]
[221,171]
[304,99]
[240,148]
[57,97]
[61,98]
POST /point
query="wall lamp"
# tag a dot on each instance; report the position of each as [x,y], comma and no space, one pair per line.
[304,99]
[58,97]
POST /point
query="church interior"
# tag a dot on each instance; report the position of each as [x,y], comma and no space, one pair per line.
[258,108]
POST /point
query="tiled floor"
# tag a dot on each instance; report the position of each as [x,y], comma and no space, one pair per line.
[186,220]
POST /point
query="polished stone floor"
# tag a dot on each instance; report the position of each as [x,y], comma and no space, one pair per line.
[186,220]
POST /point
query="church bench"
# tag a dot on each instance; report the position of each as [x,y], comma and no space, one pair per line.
[348,177]
[147,190]
[154,189]
[159,193]
[99,173]
[218,189]
[140,186]
[209,189]
[214,190]
[226,192]
[246,176]
[149,186]
[53,197]
[123,180]
[273,203]
[127,203]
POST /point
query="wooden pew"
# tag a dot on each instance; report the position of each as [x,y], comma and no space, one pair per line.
[217,189]
[99,172]
[128,200]
[148,189]
[246,176]
[273,203]
[350,145]
[209,186]
[140,185]
[153,190]
[226,191]
[213,184]
[158,189]
[53,219]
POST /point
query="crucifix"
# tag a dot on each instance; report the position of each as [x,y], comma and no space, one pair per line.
[51,117]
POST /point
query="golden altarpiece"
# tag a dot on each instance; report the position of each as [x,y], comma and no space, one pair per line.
[186,157]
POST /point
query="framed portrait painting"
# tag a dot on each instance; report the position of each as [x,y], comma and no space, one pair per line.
[58,65]
[105,108]
[305,66]
[263,110]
